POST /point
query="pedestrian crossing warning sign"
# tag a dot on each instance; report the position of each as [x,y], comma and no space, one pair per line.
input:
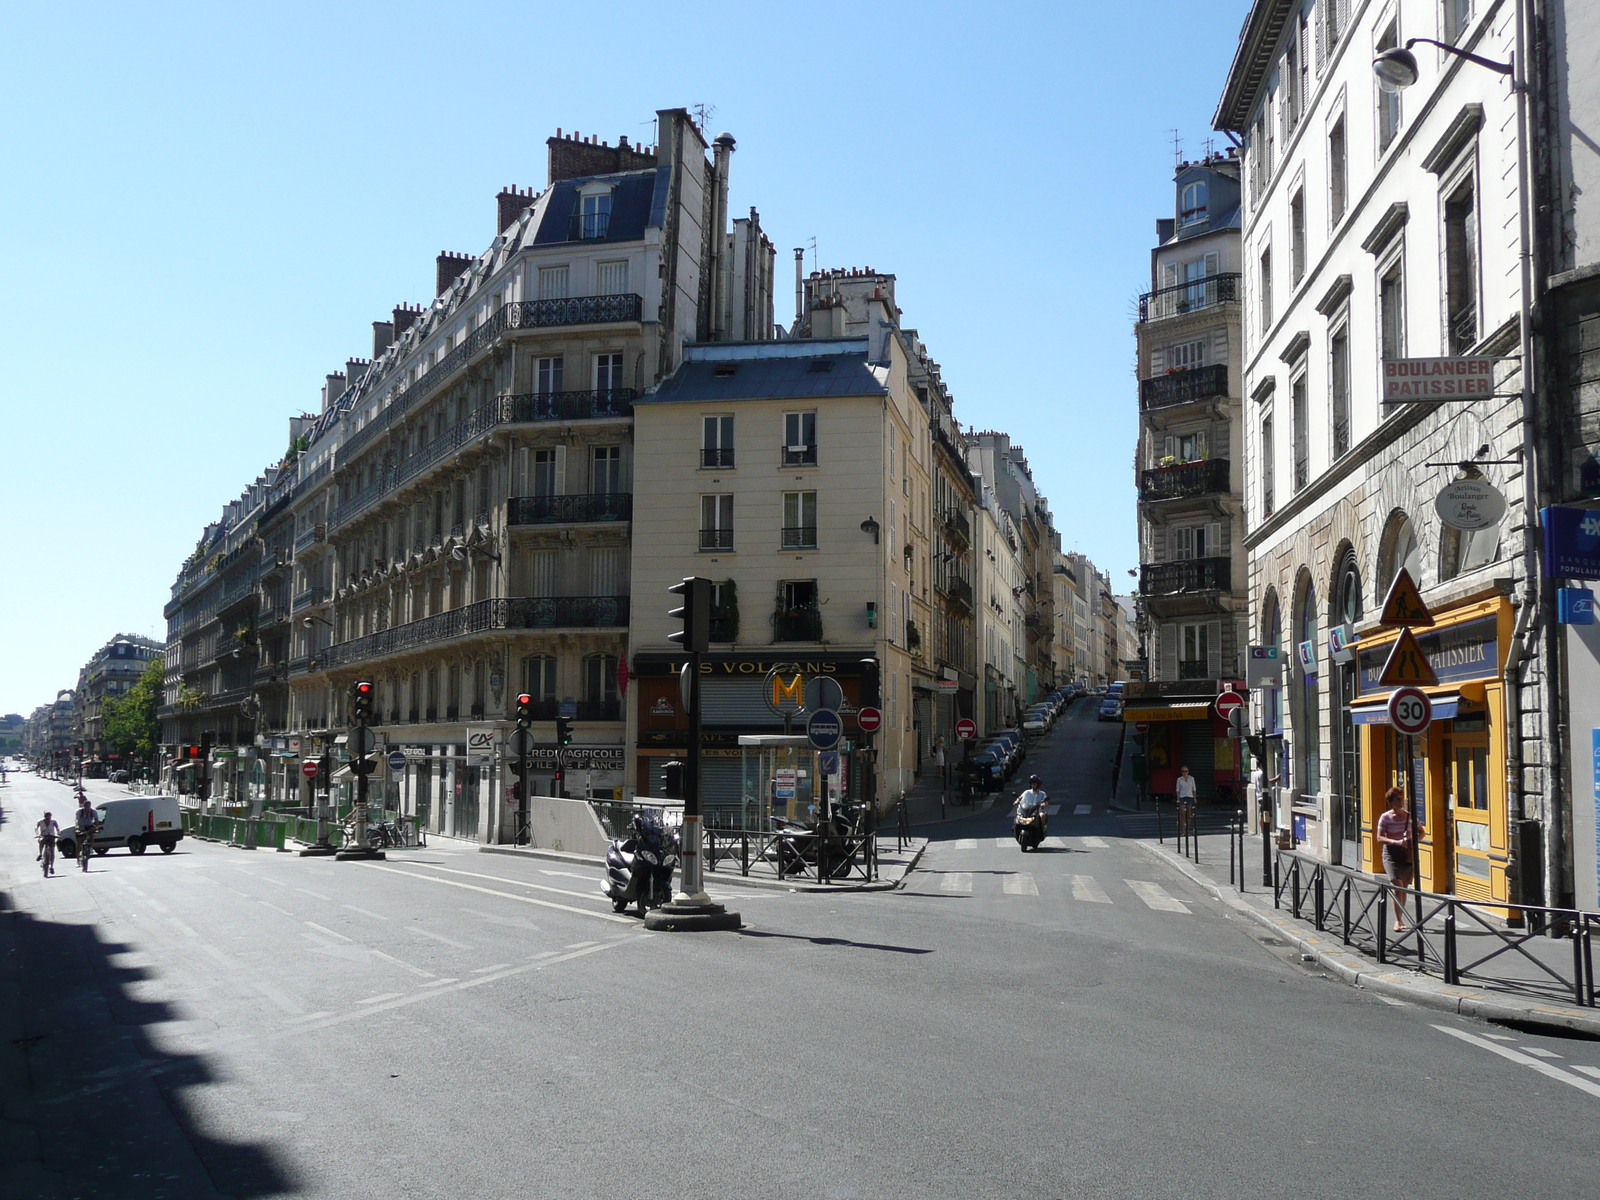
[1407,665]
[1403,606]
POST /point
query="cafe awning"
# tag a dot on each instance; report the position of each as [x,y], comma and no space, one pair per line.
[1376,712]
[1198,710]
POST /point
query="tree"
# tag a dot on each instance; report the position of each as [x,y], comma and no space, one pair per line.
[131,726]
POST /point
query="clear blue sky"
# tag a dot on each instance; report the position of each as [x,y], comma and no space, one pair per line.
[207,206]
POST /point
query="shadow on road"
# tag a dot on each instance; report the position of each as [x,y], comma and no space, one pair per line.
[94,1106]
[831,941]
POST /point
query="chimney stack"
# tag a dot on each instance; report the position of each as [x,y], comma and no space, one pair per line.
[799,284]
[510,204]
[447,269]
[721,158]
[405,316]
[354,369]
[382,337]
[332,389]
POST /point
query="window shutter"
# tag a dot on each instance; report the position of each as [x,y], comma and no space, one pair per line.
[542,573]
[561,471]
[1168,636]
[1172,275]
[1213,539]
[1213,264]
[1200,446]
[1214,649]
[1171,444]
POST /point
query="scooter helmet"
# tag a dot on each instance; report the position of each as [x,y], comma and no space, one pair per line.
[1034,781]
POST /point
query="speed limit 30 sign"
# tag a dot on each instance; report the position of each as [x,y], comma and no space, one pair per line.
[1410,711]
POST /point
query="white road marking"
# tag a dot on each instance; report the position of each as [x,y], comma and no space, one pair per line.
[181,927]
[472,887]
[964,844]
[329,932]
[513,882]
[1083,810]
[956,881]
[495,967]
[1095,843]
[276,909]
[278,998]
[1538,1052]
[438,937]
[1156,896]
[1004,843]
[377,999]
[231,964]
[1055,843]
[402,964]
[1595,1071]
[1086,887]
[365,913]
[1544,1068]
[1020,883]
[569,875]
[318,895]
[1051,810]
[581,945]
[436,983]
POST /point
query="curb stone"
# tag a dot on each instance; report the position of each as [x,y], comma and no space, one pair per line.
[1360,972]
[717,877]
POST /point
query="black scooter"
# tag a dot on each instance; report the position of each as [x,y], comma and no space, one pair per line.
[639,867]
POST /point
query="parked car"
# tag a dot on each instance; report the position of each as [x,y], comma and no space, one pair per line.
[1012,740]
[1036,724]
[135,823]
[1110,709]
[988,770]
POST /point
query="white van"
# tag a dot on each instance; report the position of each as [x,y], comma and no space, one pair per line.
[136,823]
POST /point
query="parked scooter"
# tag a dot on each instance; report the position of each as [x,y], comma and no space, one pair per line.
[639,867]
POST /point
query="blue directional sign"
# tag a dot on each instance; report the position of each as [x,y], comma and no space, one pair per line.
[397,761]
[828,763]
[824,729]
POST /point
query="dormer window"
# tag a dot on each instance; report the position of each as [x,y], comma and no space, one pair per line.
[596,214]
[1192,206]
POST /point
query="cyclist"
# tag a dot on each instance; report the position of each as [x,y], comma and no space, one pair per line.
[86,823]
[47,831]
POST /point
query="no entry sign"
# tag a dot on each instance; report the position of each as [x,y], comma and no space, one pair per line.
[966,728]
[869,719]
[1227,703]
[309,768]
[1410,711]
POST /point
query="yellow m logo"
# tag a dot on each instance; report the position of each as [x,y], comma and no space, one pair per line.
[793,691]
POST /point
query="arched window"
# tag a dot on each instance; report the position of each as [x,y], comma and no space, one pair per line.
[1399,548]
[1192,204]
[1346,741]
[1308,714]
[1462,550]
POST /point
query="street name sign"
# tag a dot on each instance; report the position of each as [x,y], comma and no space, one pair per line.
[1410,711]
[1403,606]
[1408,380]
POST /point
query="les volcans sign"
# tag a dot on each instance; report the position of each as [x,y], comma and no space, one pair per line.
[1408,380]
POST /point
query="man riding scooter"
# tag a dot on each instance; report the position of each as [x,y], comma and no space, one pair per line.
[1031,827]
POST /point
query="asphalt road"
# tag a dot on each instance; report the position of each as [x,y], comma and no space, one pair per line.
[1075,1022]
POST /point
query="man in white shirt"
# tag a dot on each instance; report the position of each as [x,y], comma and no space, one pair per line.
[1032,802]
[46,828]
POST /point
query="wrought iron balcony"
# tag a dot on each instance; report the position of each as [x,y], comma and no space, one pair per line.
[959,590]
[310,598]
[800,456]
[1185,480]
[716,457]
[569,406]
[566,510]
[575,310]
[1186,575]
[310,537]
[716,539]
[1187,297]
[797,625]
[1198,668]
[955,524]
[1183,387]
[528,612]
[799,537]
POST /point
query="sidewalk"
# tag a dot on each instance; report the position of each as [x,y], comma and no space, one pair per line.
[1523,995]
[927,805]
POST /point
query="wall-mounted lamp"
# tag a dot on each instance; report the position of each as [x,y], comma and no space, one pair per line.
[872,614]
[308,622]
[870,525]
[1397,68]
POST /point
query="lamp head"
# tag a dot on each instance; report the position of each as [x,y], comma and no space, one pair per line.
[1396,69]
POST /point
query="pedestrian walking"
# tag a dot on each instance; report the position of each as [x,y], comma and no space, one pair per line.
[1398,832]
[1185,788]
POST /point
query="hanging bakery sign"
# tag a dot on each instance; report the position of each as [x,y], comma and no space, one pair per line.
[1470,504]
[1406,380]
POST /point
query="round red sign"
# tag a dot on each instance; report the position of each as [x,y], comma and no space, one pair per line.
[869,719]
[1410,711]
[966,728]
[1227,703]
[1141,726]
[309,769]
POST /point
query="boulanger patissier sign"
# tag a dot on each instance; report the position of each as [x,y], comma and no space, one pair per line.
[1411,379]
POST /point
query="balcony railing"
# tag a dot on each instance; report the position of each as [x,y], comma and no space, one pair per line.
[576,310]
[1186,575]
[528,612]
[716,539]
[959,590]
[1184,481]
[1183,387]
[565,510]
[797,625]
[799,537]
[1198,668]
[599,710]
[716,457]
[309,598]
[569,406]
[1186,297]
[310,537]
[800,456]
[955,523]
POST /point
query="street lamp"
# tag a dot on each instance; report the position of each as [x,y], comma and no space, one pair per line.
[1396,68]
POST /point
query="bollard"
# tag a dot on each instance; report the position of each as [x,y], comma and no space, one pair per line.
[744,853]
[1316,895]
[1160,837]
[1349,886]
[1577,967]
[1588,962]
[1294,888]
[1383,925]
[1450,975]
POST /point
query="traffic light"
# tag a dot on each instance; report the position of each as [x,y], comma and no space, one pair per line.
[672,779]
[695,636]
[524,709]
[516,791]
[563,731]
[361,703]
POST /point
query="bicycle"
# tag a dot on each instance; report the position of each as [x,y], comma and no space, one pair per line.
[47,855]
[85,848]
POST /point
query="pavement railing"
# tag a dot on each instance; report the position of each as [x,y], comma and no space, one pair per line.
[1442,927]
[794,854]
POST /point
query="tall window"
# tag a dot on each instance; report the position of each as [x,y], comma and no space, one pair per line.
[1457,16]
[716,522]
[716,443]
[1308,736]
[1299,420]
[539,676]
[1268,462]
[1347,610]
[548,380]
[605,571]
[597,215]
[1388,98]
[1297,235]
[606,471]
[1335,18]
[1392,309]
[1194,649]
[607,372]
[553,283]
[1339,388]
[1461,265]
[543,472]
[799,438]
[1184,355]
[1192,203]
[600,687]
[1264,291]
[799,520]
[1293,87]
[1338,178]
[611,278]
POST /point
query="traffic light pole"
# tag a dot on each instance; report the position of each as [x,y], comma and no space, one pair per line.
[522,791]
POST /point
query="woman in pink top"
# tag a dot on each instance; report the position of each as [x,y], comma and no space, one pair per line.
[1394,835]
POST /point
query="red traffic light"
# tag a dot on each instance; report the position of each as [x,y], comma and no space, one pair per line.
[363,689]
[524,698]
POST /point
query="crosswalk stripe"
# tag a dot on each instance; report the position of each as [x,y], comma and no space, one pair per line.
[964,844]
[1051,810]
[956,881]
[1020,883]
[1004,843]
[1595,1071]
[1082,810]
[1055,843]
[1156,896]
[1095,843]
[1084,887]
